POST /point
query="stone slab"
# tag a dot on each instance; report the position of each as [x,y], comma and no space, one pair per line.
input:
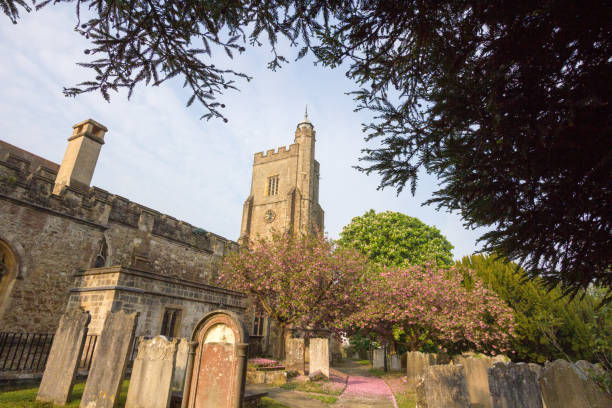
[180,366]
[565,385]
[395,362]
[63,360]
[514,386]
[151,379]
[295,355]
[443,386]
[476,376]
[110,360]
[417,364]
[217,370]
[378,359]
[319,356]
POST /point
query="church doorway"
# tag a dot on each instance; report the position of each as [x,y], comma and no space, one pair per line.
[8,273]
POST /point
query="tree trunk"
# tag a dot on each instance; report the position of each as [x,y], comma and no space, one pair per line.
[280,343]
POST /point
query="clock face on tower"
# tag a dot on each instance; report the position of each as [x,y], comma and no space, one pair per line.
[269,216]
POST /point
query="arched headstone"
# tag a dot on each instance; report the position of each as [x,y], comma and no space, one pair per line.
[217,368]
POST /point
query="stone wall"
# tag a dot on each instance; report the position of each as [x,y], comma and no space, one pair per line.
[103,290]
[55,235]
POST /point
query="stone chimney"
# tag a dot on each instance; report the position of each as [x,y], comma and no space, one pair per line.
[81,156]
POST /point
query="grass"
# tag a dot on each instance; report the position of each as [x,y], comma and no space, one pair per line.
[405,400]
[364,362]
[26,398]
[328,399]
[310,387]
[267,402]
[376,372]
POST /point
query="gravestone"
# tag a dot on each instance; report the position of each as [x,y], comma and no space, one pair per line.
[180,366]
[110,360]
[216,370]
[378,359]
[443,386]
[395,362]
[58,378]
[442,358]
[417,364]
[564,385]
[514,386]
[151,380]
[295,355]
[477,379]
[319,357]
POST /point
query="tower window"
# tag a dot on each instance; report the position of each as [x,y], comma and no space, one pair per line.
[272,185]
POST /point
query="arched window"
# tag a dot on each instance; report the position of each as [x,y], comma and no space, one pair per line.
[100,260]
[8,272]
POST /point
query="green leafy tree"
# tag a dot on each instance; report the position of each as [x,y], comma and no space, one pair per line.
[395,239]
[547,326]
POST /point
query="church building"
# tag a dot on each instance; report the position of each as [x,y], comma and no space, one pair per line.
[285,189]
[284,198]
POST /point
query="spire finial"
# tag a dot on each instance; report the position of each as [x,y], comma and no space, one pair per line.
[306,114]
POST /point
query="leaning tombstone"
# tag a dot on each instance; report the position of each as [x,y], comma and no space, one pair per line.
[151,380]
[443,386]
[319,357]
[60,371]
[477,378]
[514,385]
[180,366]
[110,360]
[417,364]
[378,359]
[295,355]
[395,362]
[564,385]
[216,371]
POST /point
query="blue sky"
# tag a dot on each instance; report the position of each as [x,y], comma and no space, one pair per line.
[159,154]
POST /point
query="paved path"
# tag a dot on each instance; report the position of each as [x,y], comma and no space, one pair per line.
[364,391]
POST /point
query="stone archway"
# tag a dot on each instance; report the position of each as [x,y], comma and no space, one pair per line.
[8,274]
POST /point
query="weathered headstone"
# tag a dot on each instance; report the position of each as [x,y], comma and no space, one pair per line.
[378,359]
[477,379]
[110,360]
[564,385]
[417,364]
[216,372]
[442,358]
[180,366]
[151,380]
[514,386]
[58,378]
[295,355]
[395,362]
[443,386]
[319,356]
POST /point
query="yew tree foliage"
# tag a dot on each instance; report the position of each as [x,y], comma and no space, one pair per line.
[394,239]
[547,327]
[507,102]
[302,281]
[425,304]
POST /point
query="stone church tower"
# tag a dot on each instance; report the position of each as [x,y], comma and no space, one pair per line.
[285,189]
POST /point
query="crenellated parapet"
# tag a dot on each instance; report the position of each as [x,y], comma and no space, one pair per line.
[31,183]
[278,154]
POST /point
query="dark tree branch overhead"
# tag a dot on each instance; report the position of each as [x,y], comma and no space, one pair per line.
[507,102]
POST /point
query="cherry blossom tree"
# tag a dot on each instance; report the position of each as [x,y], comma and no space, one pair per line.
[300,281]
[423,304]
